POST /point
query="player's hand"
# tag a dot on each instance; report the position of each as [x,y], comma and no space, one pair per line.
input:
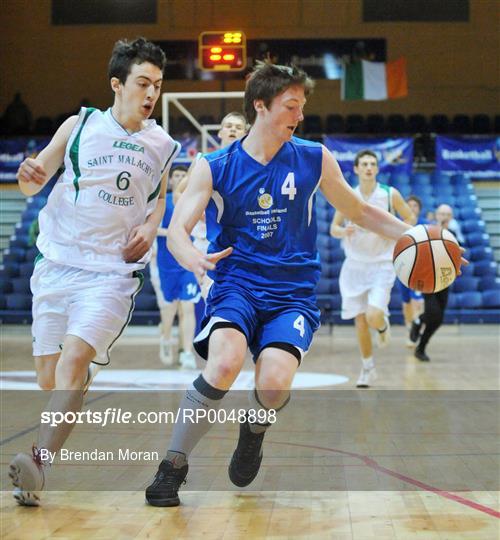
[140,240]
[31,170]
[208,262]
[463,262]
[349,230]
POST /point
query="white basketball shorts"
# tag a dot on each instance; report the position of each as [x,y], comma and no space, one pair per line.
[94,306]
[365,284]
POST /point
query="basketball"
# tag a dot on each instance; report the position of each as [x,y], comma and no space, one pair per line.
[427,258]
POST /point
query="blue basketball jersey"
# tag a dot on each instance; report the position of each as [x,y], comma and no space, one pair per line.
[267,214]
[165,259]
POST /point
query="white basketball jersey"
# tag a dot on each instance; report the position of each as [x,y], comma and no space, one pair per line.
[363,245]
[110,185]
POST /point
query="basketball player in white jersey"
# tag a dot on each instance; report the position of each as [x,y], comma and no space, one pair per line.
[367,275]
[96,233]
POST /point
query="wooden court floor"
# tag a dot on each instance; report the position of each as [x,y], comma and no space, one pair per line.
[422,506]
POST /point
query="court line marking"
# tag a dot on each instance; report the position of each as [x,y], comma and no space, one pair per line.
[369,462]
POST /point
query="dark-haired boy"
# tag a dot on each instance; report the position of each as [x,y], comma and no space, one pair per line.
[258,195]
[95,236]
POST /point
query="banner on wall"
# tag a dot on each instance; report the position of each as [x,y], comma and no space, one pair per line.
[13,152]
[478,157]
[394,155]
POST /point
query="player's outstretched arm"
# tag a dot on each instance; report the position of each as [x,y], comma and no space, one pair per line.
[340,195]
[34,173]
[402,208]
[187,212]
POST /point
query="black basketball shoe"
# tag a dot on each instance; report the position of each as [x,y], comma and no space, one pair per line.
[247,457]
[415,331]
[421,355]
[163,491]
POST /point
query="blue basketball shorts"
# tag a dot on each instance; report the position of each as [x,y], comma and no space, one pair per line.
[287,322]
[407,295]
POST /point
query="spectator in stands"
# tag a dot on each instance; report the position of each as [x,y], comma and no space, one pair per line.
[367,275]
[444,217]
[425,326]
[17,117]
[176,288]
[412,301]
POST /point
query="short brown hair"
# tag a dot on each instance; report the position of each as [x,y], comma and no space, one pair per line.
[416,199]
[363,153]
[269,80]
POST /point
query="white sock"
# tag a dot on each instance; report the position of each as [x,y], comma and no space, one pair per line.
[368,362]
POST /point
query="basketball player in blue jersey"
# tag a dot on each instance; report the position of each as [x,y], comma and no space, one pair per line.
[176,289]
[258,195]
[96,232]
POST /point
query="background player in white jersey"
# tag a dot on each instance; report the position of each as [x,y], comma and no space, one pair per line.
[96,232]
[258,194]
[367,275]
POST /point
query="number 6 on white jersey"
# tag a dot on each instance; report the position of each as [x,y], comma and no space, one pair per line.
[298,324]
[288,187]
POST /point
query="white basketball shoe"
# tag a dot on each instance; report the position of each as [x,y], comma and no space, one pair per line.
[167,352]
[187,360]
[28,478]
[367,377]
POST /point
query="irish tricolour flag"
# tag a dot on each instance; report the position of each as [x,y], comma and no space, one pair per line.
[374,80]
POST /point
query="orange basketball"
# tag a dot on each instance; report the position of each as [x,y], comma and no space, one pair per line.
[427,258]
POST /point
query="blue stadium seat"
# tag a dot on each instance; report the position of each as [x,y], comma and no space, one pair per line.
[485,268]
[443,190]
[5,285]
[145,302]
[400,178]
[481,253]
[323,226]
[489,283]
[453,301]
[472,225]
[469,200]
[477,239]
[10,269]
[421,179]
[324,286]
[441,179]
[422,190]
[491,299]
[31,254]
[13,254]
[445,199]
[21,285]
[469,213]
[335,286]
[26,269]
[470,300]
[467,270]
[20,241]
[147,287]
[336,302]
[338,254]
[465,284]
[335,123]
[326,269]
[18,301]
[336,267]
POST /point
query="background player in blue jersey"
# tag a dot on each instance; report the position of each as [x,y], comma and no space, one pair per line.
[176,288]
[258,194]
